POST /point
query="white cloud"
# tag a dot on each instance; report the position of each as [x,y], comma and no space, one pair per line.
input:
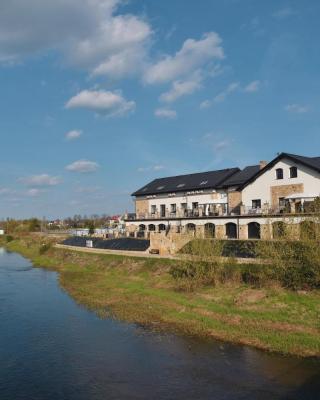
[41,180]
[4,191]
[73,135]
[165,113]
[82,166]
[252,87]
[284,13]
[34,192]
[102,102]
[222,145]
[182,88]
[296,108]
[193,54]
[158,167]
[223,95]
[87,33]
[205,104]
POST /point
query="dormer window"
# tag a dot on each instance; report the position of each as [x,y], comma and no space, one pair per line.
[293,172]
[279,173]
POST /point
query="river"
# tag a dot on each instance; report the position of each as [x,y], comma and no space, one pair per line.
[52,349]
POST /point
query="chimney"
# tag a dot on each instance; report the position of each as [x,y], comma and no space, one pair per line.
[263,164]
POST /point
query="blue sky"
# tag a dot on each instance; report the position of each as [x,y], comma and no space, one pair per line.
[100,96]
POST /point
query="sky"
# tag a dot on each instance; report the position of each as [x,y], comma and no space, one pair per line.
[99,97]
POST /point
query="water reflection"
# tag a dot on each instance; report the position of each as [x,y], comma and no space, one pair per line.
[50,348]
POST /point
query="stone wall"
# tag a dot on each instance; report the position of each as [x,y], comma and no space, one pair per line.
[283,191]
[142,206]
[243,232]
[234,201]
[168,244]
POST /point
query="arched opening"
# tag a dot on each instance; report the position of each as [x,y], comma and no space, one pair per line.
[141,231]
[151,227]
[278,230]
[231,230]
[162,227]
[308,230]
[254,230]
[209,230]
[190,228]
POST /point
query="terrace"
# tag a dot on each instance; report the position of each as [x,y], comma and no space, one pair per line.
[290,205]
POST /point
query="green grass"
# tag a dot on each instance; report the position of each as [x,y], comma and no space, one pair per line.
[141,290]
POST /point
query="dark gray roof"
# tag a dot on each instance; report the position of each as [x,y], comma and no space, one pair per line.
[181,183]
[240,177]
[312,162]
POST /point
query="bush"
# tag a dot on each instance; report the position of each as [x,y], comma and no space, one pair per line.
[296,263]
[44,248]
[9,238]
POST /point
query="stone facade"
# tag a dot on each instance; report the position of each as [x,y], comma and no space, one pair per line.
[234,201]
[243,232]
[142,206]
[283,191]
[220,232]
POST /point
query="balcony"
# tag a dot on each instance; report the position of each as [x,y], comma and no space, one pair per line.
[220,212]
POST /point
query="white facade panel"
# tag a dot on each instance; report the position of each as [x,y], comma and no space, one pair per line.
[261,187]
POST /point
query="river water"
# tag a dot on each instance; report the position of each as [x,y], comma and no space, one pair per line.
[52,349]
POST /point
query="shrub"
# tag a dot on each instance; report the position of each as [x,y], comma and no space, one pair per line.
[9,238]
[44,248]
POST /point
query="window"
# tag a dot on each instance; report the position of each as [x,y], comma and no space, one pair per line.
[282,202]
[173,208]
[153,209]
[160,187]
[181,185]
[195,205]
[279,173]
[203,182]
[293,172]
[256,203]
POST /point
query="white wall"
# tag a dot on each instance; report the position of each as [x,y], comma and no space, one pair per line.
[260,188]
[201,198]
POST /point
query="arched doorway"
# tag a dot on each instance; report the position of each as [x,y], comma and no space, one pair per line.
[151,227]
[254,230]
[231,230]
[141,231]
[278,230]
[209,230]
[308,230]
[162,227]
[190,228]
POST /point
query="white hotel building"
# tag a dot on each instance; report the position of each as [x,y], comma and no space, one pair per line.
[230,203]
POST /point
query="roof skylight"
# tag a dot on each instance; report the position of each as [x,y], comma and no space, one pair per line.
[160,187]
[181,185]
[203,182]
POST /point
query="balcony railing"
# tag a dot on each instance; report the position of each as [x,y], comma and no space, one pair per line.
[200,213]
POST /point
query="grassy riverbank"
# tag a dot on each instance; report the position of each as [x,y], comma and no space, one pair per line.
[142,291]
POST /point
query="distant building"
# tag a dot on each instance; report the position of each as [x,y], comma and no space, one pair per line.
[229,203]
